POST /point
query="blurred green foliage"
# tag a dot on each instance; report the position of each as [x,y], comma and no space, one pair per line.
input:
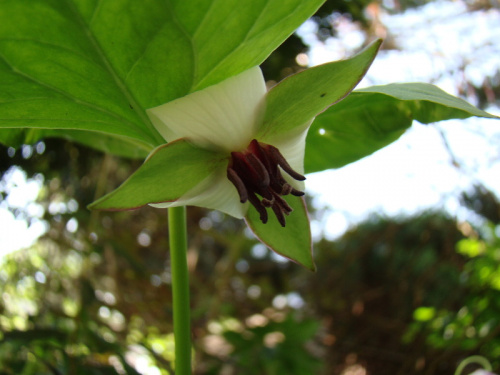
[475,325]
[92,296]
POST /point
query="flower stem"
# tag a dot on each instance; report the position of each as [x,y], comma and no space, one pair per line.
[180,289]
[473,359]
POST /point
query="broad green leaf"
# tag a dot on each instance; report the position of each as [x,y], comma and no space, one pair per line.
[129,148]
[371,118]
[97,65]
[356,127]
[15,137]
[297,99]
[293,241]
[168,173]
[428,103]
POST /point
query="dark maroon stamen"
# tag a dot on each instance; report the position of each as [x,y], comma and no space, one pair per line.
[256,171]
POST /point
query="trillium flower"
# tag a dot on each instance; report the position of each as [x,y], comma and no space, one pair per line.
[227,118]
[238,148]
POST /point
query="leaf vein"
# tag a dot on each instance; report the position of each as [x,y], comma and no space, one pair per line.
[152,134]
[203,20]
[53,45]
[235,48]
[97,8]
[189,37]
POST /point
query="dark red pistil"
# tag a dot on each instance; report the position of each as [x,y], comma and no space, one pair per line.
[256,171]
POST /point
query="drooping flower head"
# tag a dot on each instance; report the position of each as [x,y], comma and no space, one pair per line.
[227,118]
[256,171]
[234,145]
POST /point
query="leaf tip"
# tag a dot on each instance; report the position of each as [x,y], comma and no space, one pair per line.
[99,205]
[104,204]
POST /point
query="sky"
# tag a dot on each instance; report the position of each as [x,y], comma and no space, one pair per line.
[441,43]
[20,230]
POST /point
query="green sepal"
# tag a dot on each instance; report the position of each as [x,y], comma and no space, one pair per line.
[371,118]
[293,241]
[298,98]
[168,173]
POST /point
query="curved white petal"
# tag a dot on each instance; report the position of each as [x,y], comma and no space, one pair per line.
[292,146]
[223,116]
[215,192]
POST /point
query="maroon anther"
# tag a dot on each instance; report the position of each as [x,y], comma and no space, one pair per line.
[256,171]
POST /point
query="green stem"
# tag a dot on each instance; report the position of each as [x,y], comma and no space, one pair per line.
[180,289]
[473,359]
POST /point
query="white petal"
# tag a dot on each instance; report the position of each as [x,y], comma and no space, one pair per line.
[292,146]
[215,192]
[223,116]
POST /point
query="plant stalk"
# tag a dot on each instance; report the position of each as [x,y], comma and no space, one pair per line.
[180,289]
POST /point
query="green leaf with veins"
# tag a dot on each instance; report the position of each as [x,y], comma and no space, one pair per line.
[373,117]
[97,65]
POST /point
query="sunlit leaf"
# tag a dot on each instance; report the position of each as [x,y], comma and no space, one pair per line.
[424,314]
[470,247]
[96,66]
[427,102]
[371,118]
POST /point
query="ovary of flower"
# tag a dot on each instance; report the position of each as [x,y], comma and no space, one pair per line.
[227,117]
